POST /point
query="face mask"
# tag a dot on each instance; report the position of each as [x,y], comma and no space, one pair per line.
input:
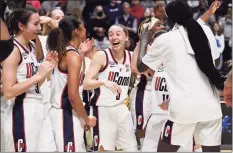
[99,38]
[6,48]
[100,14]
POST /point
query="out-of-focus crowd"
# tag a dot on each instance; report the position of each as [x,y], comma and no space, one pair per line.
[99,15]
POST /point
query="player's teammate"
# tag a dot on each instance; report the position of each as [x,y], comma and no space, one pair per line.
[22,78]
[67,114]
[109,74]
[46,142]
[179,129]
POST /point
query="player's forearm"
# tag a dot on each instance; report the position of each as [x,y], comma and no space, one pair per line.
[90,84]
[78,107]
[205,17]
[19,88]
[228,82]
[134,59]
[142,52]
[39,50]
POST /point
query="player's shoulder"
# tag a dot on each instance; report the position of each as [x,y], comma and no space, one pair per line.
[101,53]
[100,56]
[129,52]
[166,36]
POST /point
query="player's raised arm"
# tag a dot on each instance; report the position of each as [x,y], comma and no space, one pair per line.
[143,46]
[135,58]
[214,6]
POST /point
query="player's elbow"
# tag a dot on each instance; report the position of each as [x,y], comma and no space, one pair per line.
[7,95]
[134,69]
[86,84]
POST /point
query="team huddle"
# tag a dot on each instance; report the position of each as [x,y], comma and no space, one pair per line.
[74,99]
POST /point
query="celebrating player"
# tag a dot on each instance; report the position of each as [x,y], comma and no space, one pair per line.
[68,114]
[22,78]
[109,74]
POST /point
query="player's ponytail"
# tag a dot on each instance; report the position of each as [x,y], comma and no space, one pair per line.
[179,12]
[59,38]
[56,41]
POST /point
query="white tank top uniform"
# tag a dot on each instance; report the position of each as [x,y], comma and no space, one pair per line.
[114,128]
[66,124]
[24,117]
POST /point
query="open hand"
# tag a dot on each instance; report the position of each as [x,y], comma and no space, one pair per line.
[86,46]
[52,57]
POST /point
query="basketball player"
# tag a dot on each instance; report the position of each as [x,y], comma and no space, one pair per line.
[68,116]
[109,74]
[21,81]
[169,49]
[46,142]
[159,93]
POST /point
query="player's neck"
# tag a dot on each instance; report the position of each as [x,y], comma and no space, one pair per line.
[22,40]
[118,55]
[75,43]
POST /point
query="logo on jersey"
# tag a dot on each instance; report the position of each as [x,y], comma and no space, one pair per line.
[127,67]
[96,140]
[160,84]
[24,55]
[20,145]
[112,63]
[160,68]
[140,119]
[120,80]
[69,147]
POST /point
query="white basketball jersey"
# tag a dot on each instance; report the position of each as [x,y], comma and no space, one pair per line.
[115,72]
[59,87]
[159,91]
[27,68]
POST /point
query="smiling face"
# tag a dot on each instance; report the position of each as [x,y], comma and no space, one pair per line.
[117,37]
[32,28]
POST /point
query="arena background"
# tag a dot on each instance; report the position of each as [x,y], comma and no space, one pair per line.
[85,9]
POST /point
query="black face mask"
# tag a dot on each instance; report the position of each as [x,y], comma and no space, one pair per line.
[100,14]
[99,38]
[6,48]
